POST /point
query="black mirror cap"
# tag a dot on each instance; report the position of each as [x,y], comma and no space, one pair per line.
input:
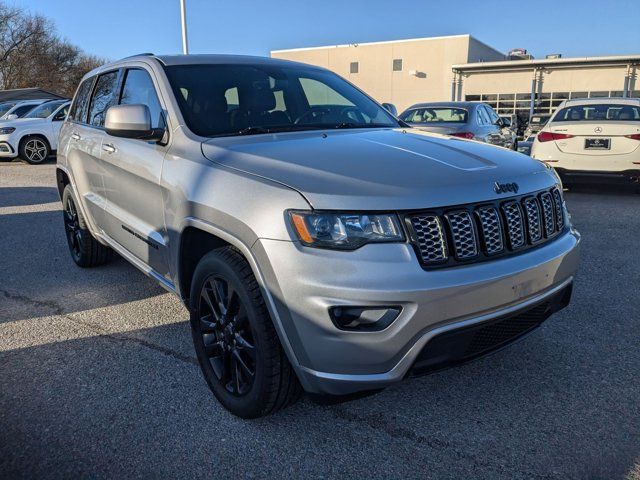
[152,135]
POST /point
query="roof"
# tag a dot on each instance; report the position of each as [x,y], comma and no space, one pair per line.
[599,100]
[548,62]
[27,94]
[200,59]
[445,104]
[371,43]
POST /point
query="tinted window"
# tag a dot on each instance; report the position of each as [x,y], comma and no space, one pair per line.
[80,103]
[62,114]
[22,110]
[436,115]
[483,118]
[44,110]
[104,96]
[599,113]
[249,99]
[5,107]
[493,116]
[138,89]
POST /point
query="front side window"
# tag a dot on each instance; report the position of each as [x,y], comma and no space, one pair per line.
[62,113]
[78,111]
[599,113]
[104,96]
[44,110]
[223,100]
[436,115]
[138,89]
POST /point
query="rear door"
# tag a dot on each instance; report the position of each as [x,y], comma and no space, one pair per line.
[135,214]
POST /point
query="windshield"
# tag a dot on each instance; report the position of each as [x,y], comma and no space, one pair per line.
[599,113]
[44,110]
[222,100]
[5,107]
[436,115]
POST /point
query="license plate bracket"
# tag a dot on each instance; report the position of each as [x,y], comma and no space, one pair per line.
[597,144]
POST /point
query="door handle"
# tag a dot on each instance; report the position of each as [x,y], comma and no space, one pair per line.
[107,147]
[75,136]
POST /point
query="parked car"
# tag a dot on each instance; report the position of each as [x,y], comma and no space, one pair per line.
[20,109]
[317,242]
[593,140]
[35,136]
[470,120]
[536,123]
[511,121]
[524,146]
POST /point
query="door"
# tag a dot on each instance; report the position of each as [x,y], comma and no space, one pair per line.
[56,123]
[79,149]
[498,134]
[135,215]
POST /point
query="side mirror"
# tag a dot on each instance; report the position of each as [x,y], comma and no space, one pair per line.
[391,108]
[13,116]
[131,121]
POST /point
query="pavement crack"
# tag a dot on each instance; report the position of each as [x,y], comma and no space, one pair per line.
[57,310]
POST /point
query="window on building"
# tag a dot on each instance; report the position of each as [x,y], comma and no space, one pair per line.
[635,94]
[579,94]
[598,94]
[617,93]
[397,65]
[472,98]
[354,67]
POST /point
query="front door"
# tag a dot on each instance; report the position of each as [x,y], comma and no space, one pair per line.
[135,215]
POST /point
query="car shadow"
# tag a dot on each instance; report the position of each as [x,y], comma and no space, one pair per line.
[24,196]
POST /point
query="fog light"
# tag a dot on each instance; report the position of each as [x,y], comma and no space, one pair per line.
[365,319]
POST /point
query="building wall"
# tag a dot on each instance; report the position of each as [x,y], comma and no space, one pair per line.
[430,59]
[510,91]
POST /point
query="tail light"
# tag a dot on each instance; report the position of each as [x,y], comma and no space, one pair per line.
[548,136]
[635,136]
[467,135]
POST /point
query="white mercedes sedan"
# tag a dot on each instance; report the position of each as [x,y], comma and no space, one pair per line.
[593,140]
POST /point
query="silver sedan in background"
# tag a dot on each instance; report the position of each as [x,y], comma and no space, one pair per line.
[470,120]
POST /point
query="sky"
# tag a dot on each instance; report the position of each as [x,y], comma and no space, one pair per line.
[114,29]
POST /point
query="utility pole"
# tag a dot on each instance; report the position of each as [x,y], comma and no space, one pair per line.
[183,17]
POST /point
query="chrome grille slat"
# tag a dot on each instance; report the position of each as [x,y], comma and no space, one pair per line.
[491,229]
[532,212]
[515,225]
[431,238]
[547,213]
[463,233]
[557,203]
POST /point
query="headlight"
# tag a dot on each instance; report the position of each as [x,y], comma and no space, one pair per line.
[7,130]
[345,231]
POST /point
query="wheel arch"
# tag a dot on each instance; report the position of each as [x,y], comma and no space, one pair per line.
[62,180]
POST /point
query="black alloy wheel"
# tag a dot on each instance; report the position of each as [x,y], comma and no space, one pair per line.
[227,336]
[73,229]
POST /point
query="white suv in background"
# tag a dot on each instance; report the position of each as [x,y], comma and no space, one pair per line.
[593,140]
[19,109]
[34,137]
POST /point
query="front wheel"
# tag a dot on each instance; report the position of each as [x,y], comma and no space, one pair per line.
[235,341]
[34,150]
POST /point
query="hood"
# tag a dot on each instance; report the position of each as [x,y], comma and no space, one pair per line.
[381,169]
[443,128]
[21,122]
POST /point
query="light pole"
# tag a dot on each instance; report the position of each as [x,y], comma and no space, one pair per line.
[183,18]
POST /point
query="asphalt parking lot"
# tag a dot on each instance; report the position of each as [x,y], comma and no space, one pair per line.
[98,378]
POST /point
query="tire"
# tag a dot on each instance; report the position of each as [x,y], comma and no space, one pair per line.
[234,336]
[85,250]
[34,150]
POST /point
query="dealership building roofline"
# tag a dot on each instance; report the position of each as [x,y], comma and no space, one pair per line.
[614,60]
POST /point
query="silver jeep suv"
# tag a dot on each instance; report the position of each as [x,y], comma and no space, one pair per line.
[318,243]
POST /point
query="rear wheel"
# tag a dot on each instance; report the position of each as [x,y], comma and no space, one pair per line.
[34,150]
[85,250]
[235,341]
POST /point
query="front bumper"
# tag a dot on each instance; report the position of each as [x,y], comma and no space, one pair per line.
[7,150]
[303,283]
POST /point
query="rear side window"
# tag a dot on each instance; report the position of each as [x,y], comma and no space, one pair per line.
[78,110]
[599,113]
[138,89]
[104,96]
[483,118]
[436,115]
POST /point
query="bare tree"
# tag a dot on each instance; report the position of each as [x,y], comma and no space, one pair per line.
[33,55]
